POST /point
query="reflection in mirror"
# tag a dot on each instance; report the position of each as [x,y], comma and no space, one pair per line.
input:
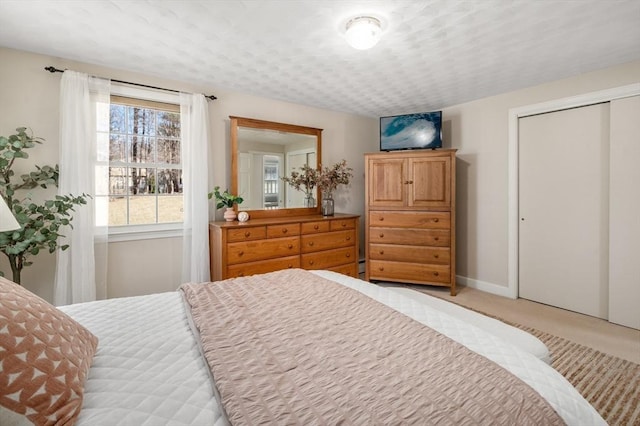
[262,153]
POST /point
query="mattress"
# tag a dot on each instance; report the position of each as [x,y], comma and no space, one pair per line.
[149,370]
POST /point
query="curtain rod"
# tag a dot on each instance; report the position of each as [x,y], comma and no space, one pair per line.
[210,97]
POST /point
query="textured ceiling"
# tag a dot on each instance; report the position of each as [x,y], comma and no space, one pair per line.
[433,54]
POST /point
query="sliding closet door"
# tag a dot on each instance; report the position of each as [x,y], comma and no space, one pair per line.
[624,250]
[563,207]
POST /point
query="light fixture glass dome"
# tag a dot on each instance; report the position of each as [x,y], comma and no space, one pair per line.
[363,32]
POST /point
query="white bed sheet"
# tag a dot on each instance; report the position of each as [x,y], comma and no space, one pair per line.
[148,369]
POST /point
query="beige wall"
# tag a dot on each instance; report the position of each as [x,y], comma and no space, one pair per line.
[479,129]
[29,97]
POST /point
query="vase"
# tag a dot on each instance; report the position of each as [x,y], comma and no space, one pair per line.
[229,214]
[309,201]
[327,205]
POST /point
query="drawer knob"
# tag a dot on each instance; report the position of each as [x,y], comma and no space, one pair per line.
[381,235]
[436,220]
[241,253]
[435,274]
[436,256]
[381,218]
[381,252]
[348,238]
[436,238]
[381,268]
[290,266]
[348,254]
[284,230]
[311,262]
[316,227]
[241,274]
[246,234]
[343,224]
[290,246]
[310,243]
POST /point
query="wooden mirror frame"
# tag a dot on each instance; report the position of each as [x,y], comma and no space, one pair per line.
[281,127]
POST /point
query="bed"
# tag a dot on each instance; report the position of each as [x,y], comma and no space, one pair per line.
[151,363]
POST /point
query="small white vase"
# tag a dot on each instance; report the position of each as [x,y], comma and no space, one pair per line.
[229,214]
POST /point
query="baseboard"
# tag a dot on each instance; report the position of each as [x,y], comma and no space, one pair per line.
[361,266]
[496,289]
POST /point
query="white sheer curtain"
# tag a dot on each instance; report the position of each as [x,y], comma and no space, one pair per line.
[84,122]
[194,117]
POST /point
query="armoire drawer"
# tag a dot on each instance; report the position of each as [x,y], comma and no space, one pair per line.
[262,249]
[428,220]
[409,272]
[420,254]
[326,241]
[328,258]
[416,237]
[262,266]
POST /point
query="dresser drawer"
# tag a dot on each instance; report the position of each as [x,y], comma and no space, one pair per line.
[262,249]
[337,225]
[416,237]
[246,233]
[329,258]
[429,220]
[315,227]
[262,266]
[287,230]
[409,272]
[421,254]
[328,240]
[351,269]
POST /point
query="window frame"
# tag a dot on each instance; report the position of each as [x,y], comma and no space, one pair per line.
[151,230]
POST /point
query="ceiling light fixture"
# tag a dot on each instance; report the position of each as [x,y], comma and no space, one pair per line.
[363,32]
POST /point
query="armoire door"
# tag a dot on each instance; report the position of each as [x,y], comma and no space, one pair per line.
[430,182]
[388,182]
[563,208]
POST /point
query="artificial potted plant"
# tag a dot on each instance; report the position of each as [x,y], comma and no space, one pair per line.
[226,199]
[41,222]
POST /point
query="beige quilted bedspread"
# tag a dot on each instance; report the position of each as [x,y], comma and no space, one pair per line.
[292,348]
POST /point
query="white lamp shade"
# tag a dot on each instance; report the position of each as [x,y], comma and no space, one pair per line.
[8,222]
[363,32]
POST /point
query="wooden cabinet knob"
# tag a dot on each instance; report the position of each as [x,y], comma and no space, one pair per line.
[436,220]
[241,274]
[310,243]
[315,227]
[246,234]
[381,252]
[290,246]
[348,254]
[290,266]
[311,262]
[381,235]
[241,253]
[284,230]
[436,256]
[410,182]
[381,218]
[348,238]
[435,274]
[436,238]
[381,268]
[343,224]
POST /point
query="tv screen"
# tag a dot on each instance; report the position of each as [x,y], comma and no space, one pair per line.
[422,130]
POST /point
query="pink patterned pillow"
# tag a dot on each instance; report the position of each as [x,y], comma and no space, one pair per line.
[44,358]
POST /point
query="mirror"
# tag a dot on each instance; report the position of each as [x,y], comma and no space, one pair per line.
[262,152]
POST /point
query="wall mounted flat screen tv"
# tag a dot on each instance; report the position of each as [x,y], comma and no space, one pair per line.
[421,130]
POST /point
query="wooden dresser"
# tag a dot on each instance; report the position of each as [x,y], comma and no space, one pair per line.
[265,245]
[410,217]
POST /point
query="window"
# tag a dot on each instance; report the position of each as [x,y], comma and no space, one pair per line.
[145,168]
